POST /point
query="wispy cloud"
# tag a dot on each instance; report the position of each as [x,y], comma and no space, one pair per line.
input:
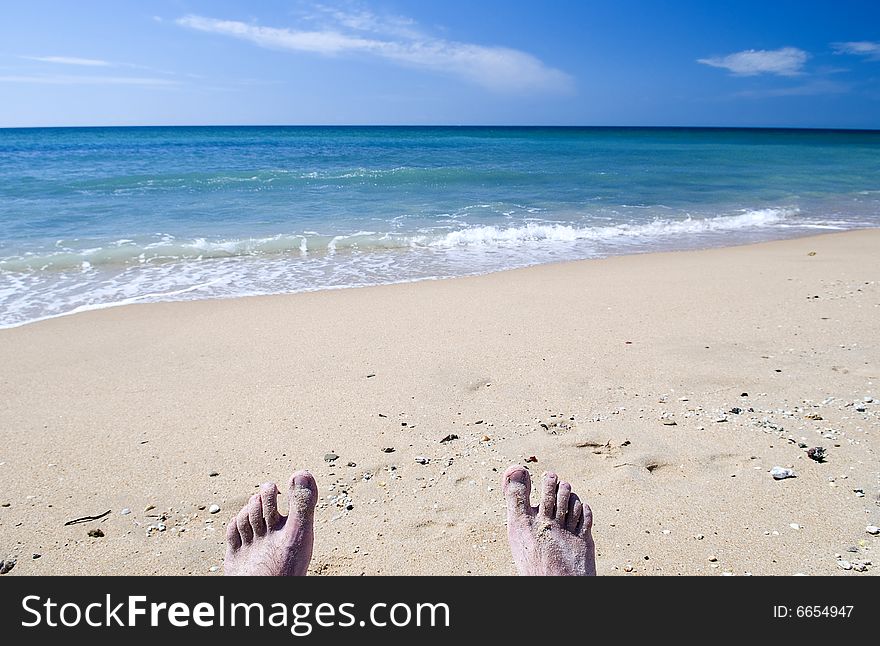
[787,61]
[399,41]
[364,20]
[69,60]
[866,48]
[96,62]
[88,80]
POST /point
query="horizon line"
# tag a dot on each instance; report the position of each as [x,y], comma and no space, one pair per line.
[474,126]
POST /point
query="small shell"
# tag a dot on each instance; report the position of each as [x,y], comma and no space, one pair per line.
[779,473]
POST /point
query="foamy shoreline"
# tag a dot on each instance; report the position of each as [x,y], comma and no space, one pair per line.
[136,407]
[284,266]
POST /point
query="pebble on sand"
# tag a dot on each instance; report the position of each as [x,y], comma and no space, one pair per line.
[330,457]
[873,530]
[816,453]
[214,509]
[779,473]
[422,460]
[7,565]
[125,512]
[449,438]
[96,533]
[388,449]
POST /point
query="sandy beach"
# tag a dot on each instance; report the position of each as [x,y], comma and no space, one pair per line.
[664,387]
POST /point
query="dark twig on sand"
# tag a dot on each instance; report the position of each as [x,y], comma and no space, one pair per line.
[86,519]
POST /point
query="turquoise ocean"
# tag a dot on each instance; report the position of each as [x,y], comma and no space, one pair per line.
[96,217]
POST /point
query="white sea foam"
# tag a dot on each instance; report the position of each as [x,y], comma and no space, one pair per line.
[164,267]
[536,232]
[168,248]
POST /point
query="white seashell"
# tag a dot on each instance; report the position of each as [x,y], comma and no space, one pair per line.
[780,473]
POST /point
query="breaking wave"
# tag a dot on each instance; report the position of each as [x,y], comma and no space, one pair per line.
[163,248]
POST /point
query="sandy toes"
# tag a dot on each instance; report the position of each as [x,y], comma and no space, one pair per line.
[552,539]
[262,542]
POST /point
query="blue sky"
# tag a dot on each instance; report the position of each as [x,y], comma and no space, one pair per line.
[555,62]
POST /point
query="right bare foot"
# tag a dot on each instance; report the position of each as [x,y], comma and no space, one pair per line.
[262,542]
[552,539]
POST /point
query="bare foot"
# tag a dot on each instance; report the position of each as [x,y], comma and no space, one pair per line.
[552,539]
[262,542]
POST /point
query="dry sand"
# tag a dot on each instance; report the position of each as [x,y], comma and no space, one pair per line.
[577,364]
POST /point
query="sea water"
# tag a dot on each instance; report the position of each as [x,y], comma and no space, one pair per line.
[95,217]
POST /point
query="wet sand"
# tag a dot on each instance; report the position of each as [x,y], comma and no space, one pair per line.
[664,387]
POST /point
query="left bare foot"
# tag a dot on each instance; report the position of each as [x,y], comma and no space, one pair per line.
[262,542]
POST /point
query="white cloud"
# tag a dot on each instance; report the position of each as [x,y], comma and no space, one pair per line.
[868,49]
[69,60]
[787,61]
[363,20]
[88,80]
[497,68]
[94,62]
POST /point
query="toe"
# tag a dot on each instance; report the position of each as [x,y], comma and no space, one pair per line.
[562,498]
[575,514]
[517,487]
[255,515]
[302,494]
[244,526]
[233,538]
[586,523]
[549,486]
[269,498]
